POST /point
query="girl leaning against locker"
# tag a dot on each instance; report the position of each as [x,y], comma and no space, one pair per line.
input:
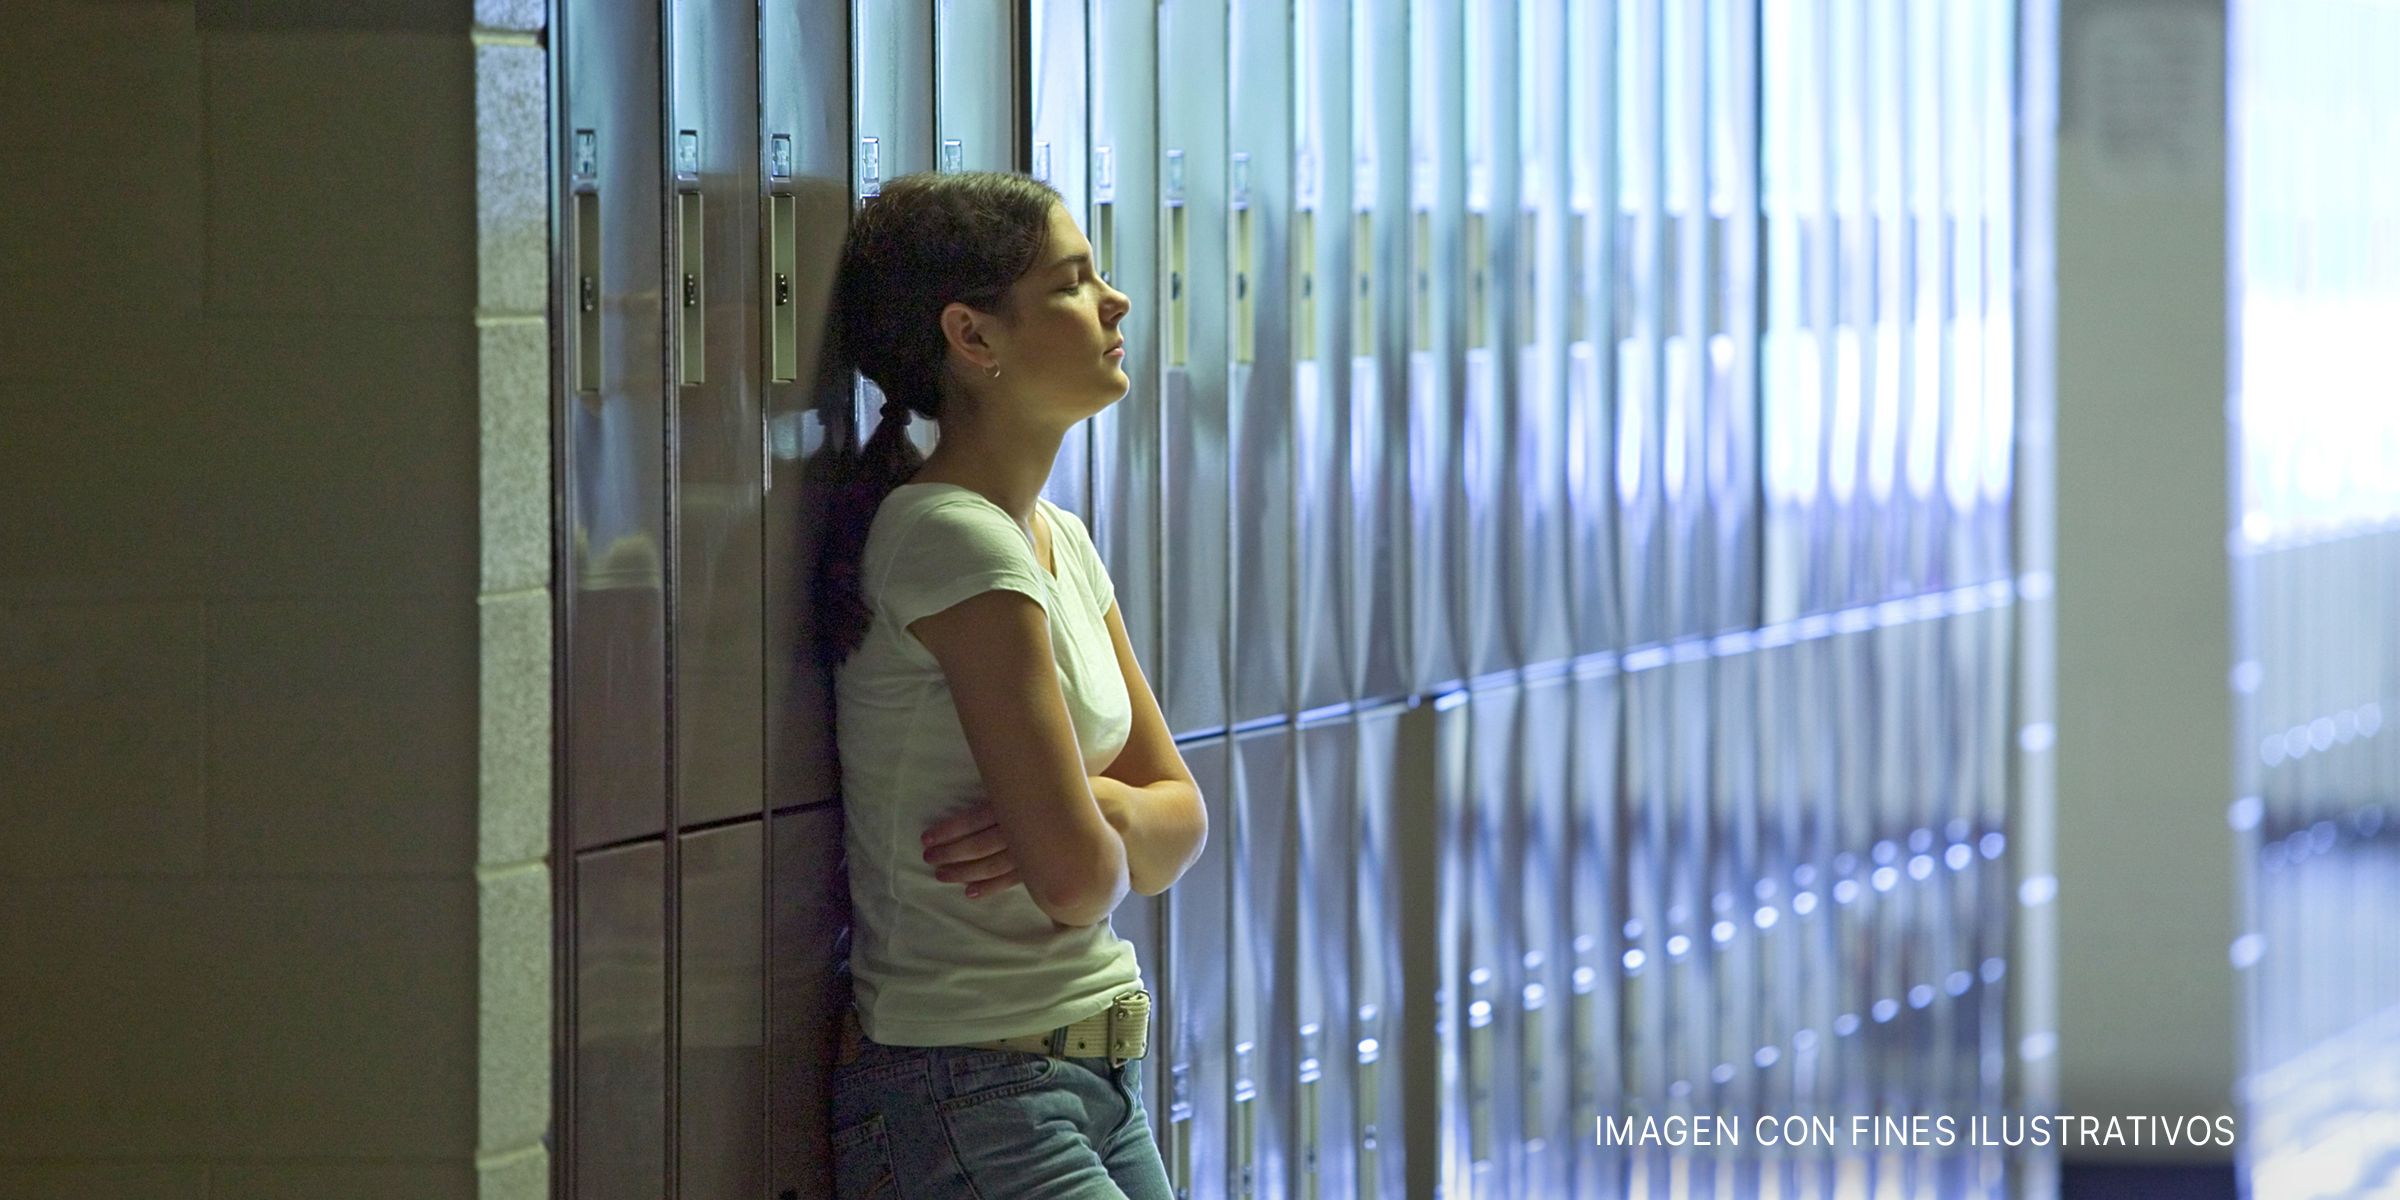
[1006,774]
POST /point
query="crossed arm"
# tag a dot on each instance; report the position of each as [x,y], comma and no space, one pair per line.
[1076,842]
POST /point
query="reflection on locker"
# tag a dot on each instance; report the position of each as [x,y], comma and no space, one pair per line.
[1563,505]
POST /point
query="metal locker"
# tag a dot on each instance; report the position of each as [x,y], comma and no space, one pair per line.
[1436,193]
[804,118]
[1730,315]
[612,454]
[1596,1083]
[1194,1060]
[720,1014]
[1371,1058]
[617,1142]
[1264,966]
[1487,399]
[1539,434]
[1431,816]
[1546,1061]
[1796,258]
[978,98]
[1329,881]
[715,169]
[809,908]
[1057,92]
[1638,306]
[1587,325]
[1123,224]
[1491,1062]
[1682,183]
[1731,879]
[1194,300]
[1320,306]
[893,90]
[1375,537]
[1259,380]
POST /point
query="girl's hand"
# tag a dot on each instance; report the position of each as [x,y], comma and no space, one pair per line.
[967,847]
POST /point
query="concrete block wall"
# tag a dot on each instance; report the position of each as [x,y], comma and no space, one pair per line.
[274,600]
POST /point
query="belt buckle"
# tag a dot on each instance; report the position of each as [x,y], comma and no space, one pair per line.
[1128,1023]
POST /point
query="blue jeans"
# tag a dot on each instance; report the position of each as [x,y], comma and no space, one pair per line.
[936,1122]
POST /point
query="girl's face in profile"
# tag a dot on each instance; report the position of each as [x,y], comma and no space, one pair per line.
[1062,351]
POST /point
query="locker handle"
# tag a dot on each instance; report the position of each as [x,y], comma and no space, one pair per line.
[694,310]
[783,261]
[586,233]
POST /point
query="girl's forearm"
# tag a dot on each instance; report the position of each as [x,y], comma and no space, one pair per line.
[1163,826]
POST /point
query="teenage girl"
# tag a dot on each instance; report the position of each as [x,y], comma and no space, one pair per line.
[1006,774]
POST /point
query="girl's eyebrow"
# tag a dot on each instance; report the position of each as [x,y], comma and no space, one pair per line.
[1070,260]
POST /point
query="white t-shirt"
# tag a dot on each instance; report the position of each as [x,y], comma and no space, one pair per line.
[929,966]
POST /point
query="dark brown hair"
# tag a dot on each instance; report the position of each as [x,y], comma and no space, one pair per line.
[929,241]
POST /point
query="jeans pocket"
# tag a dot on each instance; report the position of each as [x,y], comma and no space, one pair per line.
[862,1160]
[979,1075]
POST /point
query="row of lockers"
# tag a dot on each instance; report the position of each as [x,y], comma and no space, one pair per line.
[1563,503]
[2314,118]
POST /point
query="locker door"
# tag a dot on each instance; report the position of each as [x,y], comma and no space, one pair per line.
[1123,224]
[1377,1150]
[1588,328]
[1194,300]
[804,119]
[1639,308]
[1330,863]
[1194,1030]
[715,355]
[1264,964]
[1259,381]
[1597,1084]
[1375,545]
[1539,435]
[1491,1062]
[720,981]
[617,1143]
[1436,193]
[1488,400]
[1321,253]
[1431,821]
[1057,89]
[1545,957]
[810,907]
[978,97]
[893,91]
[611,416]
[1729,317]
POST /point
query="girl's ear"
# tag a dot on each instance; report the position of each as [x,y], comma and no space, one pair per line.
[965,330]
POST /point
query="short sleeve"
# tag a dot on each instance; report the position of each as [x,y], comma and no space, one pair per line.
[1069,535]
[947,552]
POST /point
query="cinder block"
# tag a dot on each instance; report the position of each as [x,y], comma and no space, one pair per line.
[342,737]
[513,369]
[103,720]
[512,178]
[514,1042]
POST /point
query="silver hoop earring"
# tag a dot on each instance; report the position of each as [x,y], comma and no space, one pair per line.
[995,371]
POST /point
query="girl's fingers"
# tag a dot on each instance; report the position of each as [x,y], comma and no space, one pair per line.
[976,844]
[961,824]
[976,870]
[988,886]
